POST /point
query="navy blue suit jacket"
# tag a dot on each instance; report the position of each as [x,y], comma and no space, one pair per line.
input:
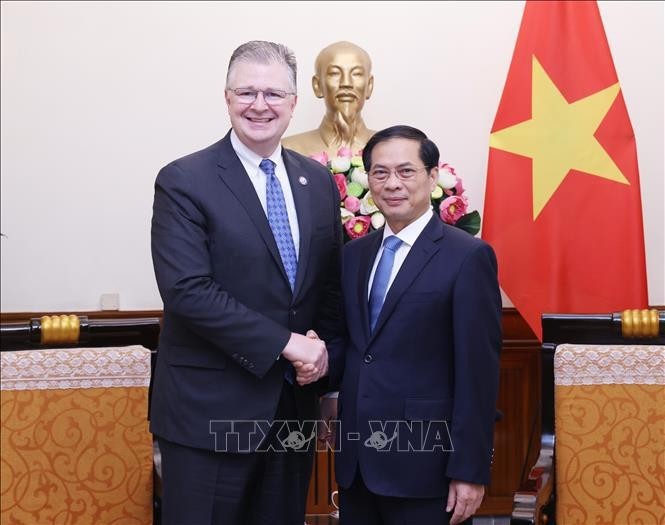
[428,374]
[228,307]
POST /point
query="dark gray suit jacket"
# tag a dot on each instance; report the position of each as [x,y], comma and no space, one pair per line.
[228,306]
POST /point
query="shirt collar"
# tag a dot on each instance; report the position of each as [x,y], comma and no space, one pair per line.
[247,155]
[410,233]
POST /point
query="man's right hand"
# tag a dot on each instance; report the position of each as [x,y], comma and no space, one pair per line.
[308,352]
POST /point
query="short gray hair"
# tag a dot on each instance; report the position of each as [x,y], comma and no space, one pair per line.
[265,53]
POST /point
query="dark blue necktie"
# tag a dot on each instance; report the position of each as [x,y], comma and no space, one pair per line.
[278,219]
[381,277]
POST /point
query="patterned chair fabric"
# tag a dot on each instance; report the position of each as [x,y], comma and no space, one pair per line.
[75,446]
[610,434]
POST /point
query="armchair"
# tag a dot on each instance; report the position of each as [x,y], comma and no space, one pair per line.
[603,422]
[75,441]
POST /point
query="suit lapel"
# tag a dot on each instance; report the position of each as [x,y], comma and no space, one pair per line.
[233,173]
[300,187]
[367,257]
[421,252]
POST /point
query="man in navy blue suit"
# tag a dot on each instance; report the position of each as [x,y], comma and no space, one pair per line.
[418,372]
[246,244]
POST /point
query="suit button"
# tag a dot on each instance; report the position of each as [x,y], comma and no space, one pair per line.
[368,358]
[294,313]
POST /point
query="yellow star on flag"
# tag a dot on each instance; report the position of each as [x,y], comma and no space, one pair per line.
[559,137]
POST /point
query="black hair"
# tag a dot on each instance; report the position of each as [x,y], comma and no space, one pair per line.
[428,152]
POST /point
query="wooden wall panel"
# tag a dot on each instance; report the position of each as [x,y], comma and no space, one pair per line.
[16,317]
[110,328]
[519,387]
[322,484]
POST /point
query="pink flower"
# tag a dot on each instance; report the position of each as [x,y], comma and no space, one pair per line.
[447,167]
[459,189]
[344,152]
[320,157]
[340,179]
[452,208]
[352,203]
[446,173]
[357,226]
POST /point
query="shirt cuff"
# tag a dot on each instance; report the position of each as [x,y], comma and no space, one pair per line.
[330,395]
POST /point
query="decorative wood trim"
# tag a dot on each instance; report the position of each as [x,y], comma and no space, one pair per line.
[24,331]
[516,330]
[15,317]
[515,327]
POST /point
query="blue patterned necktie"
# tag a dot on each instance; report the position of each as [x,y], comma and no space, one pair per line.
[381,277]
[278,219]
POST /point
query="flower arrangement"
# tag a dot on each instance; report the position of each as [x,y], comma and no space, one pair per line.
[359,213]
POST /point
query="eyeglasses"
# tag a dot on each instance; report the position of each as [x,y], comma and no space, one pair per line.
[405,173]
[272,97]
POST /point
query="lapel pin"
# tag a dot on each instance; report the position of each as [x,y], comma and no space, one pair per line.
[302,181]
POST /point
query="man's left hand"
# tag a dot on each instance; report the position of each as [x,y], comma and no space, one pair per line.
[464,500]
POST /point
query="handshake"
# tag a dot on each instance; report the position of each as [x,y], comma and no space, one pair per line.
[308,355]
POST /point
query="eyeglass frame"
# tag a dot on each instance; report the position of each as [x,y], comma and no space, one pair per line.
[263,92]
[372,176]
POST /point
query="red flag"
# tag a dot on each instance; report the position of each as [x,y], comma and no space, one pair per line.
[562,201]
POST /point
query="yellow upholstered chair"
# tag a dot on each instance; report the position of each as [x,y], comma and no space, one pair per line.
[602,456]
[75,446]
[609,405]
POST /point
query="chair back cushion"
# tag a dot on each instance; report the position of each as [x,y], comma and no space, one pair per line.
[75,444]
[610,434]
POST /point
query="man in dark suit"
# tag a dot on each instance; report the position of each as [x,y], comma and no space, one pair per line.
[246,242]
[418,374]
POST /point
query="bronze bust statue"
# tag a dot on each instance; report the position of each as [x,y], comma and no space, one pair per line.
[343,79]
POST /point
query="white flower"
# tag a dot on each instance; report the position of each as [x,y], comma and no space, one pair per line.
[346,214]
[357,161]
[446,179]
[340,164]
[359,175]
[378,220]
[367,206]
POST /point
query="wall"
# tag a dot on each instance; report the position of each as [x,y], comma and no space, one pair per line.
[96,97]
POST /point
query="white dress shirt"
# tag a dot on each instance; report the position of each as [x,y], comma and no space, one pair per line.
[250,162]
[408,236]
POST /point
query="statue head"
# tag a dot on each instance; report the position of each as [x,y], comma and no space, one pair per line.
[343,78]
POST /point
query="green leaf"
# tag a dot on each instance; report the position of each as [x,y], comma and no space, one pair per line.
[470,223]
